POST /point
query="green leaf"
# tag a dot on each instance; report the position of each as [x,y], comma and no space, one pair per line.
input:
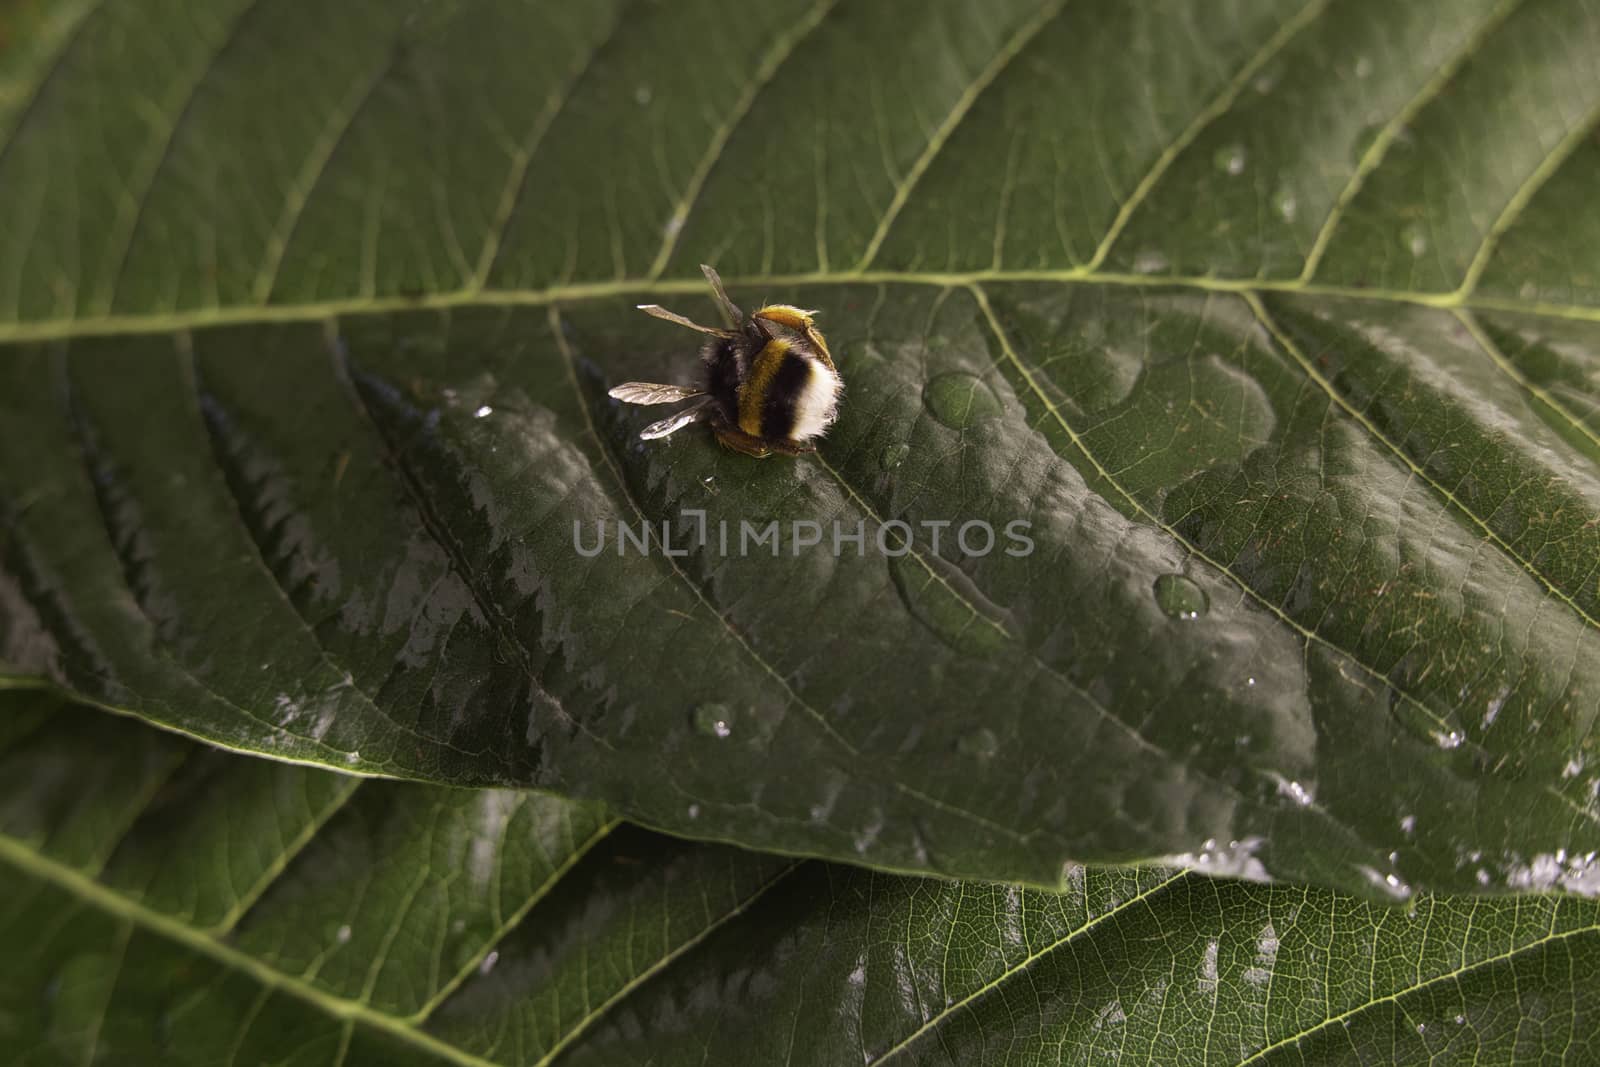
[197,907]
[1278,325]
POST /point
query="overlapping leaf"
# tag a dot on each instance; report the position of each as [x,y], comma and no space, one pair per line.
[197,907]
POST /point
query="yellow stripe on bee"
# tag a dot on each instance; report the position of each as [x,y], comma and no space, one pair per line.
[753,393]
[800,321]
[785,315]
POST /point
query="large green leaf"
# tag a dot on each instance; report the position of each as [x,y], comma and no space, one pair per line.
[1277,322]
[167,903]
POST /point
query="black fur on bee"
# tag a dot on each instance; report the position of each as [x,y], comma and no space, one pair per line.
[767,381]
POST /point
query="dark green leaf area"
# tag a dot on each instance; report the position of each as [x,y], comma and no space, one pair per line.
[397,923]
[1139,574]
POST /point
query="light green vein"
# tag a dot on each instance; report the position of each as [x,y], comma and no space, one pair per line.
[986,77]
[667,959]
[1022,965]
[67,26]
[1395,997]
[334,130]
[124,234]
[539,893]
[1379,147]
[1288,344]
[280,862]
[1492,350]
[1524,195]
[554,104]
[780,51]
[1218,107]
[100,898]
[1100,469]
[699,594]
[321,311]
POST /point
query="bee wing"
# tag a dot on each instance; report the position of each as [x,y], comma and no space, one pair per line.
[673,423]
[672,316]
[652,393]
[730,310]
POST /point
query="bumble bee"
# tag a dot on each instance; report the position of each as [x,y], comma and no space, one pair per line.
[767,384]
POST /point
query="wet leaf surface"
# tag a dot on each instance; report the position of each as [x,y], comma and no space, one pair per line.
[304,434]
[197,906]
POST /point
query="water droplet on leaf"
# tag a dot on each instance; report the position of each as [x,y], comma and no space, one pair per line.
[713,720]
[1180,597]
[894,455]
[980,744]
[1149,262]
[959,399]
[1414,239]
[1301,794]
[1231,160]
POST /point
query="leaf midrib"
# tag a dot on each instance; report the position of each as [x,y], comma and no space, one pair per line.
[114,904]
[1463,296]
[210,941]
[66,329]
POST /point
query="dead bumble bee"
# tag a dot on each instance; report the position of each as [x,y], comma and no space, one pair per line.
[767,385]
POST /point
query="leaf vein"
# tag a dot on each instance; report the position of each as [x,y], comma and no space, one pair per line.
[1216,109]
[1417,987]
[1481,337]
[594,1012]
[436,530]
[16,855]
[1002,60]
[319,311]
[341,120]
[1417,470]
[1373,157]
[610,464]
[1310,635]
[1022,966]
[146,182]
[1536,179]
[511,191]
[781,50]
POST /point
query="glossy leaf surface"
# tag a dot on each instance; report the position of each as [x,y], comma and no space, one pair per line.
[199,907]
[307,335]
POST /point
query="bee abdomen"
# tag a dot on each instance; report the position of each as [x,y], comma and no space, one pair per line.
[789,395]
[816,402]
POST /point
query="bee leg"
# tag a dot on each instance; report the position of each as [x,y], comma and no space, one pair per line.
[752,445]
[736,439]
